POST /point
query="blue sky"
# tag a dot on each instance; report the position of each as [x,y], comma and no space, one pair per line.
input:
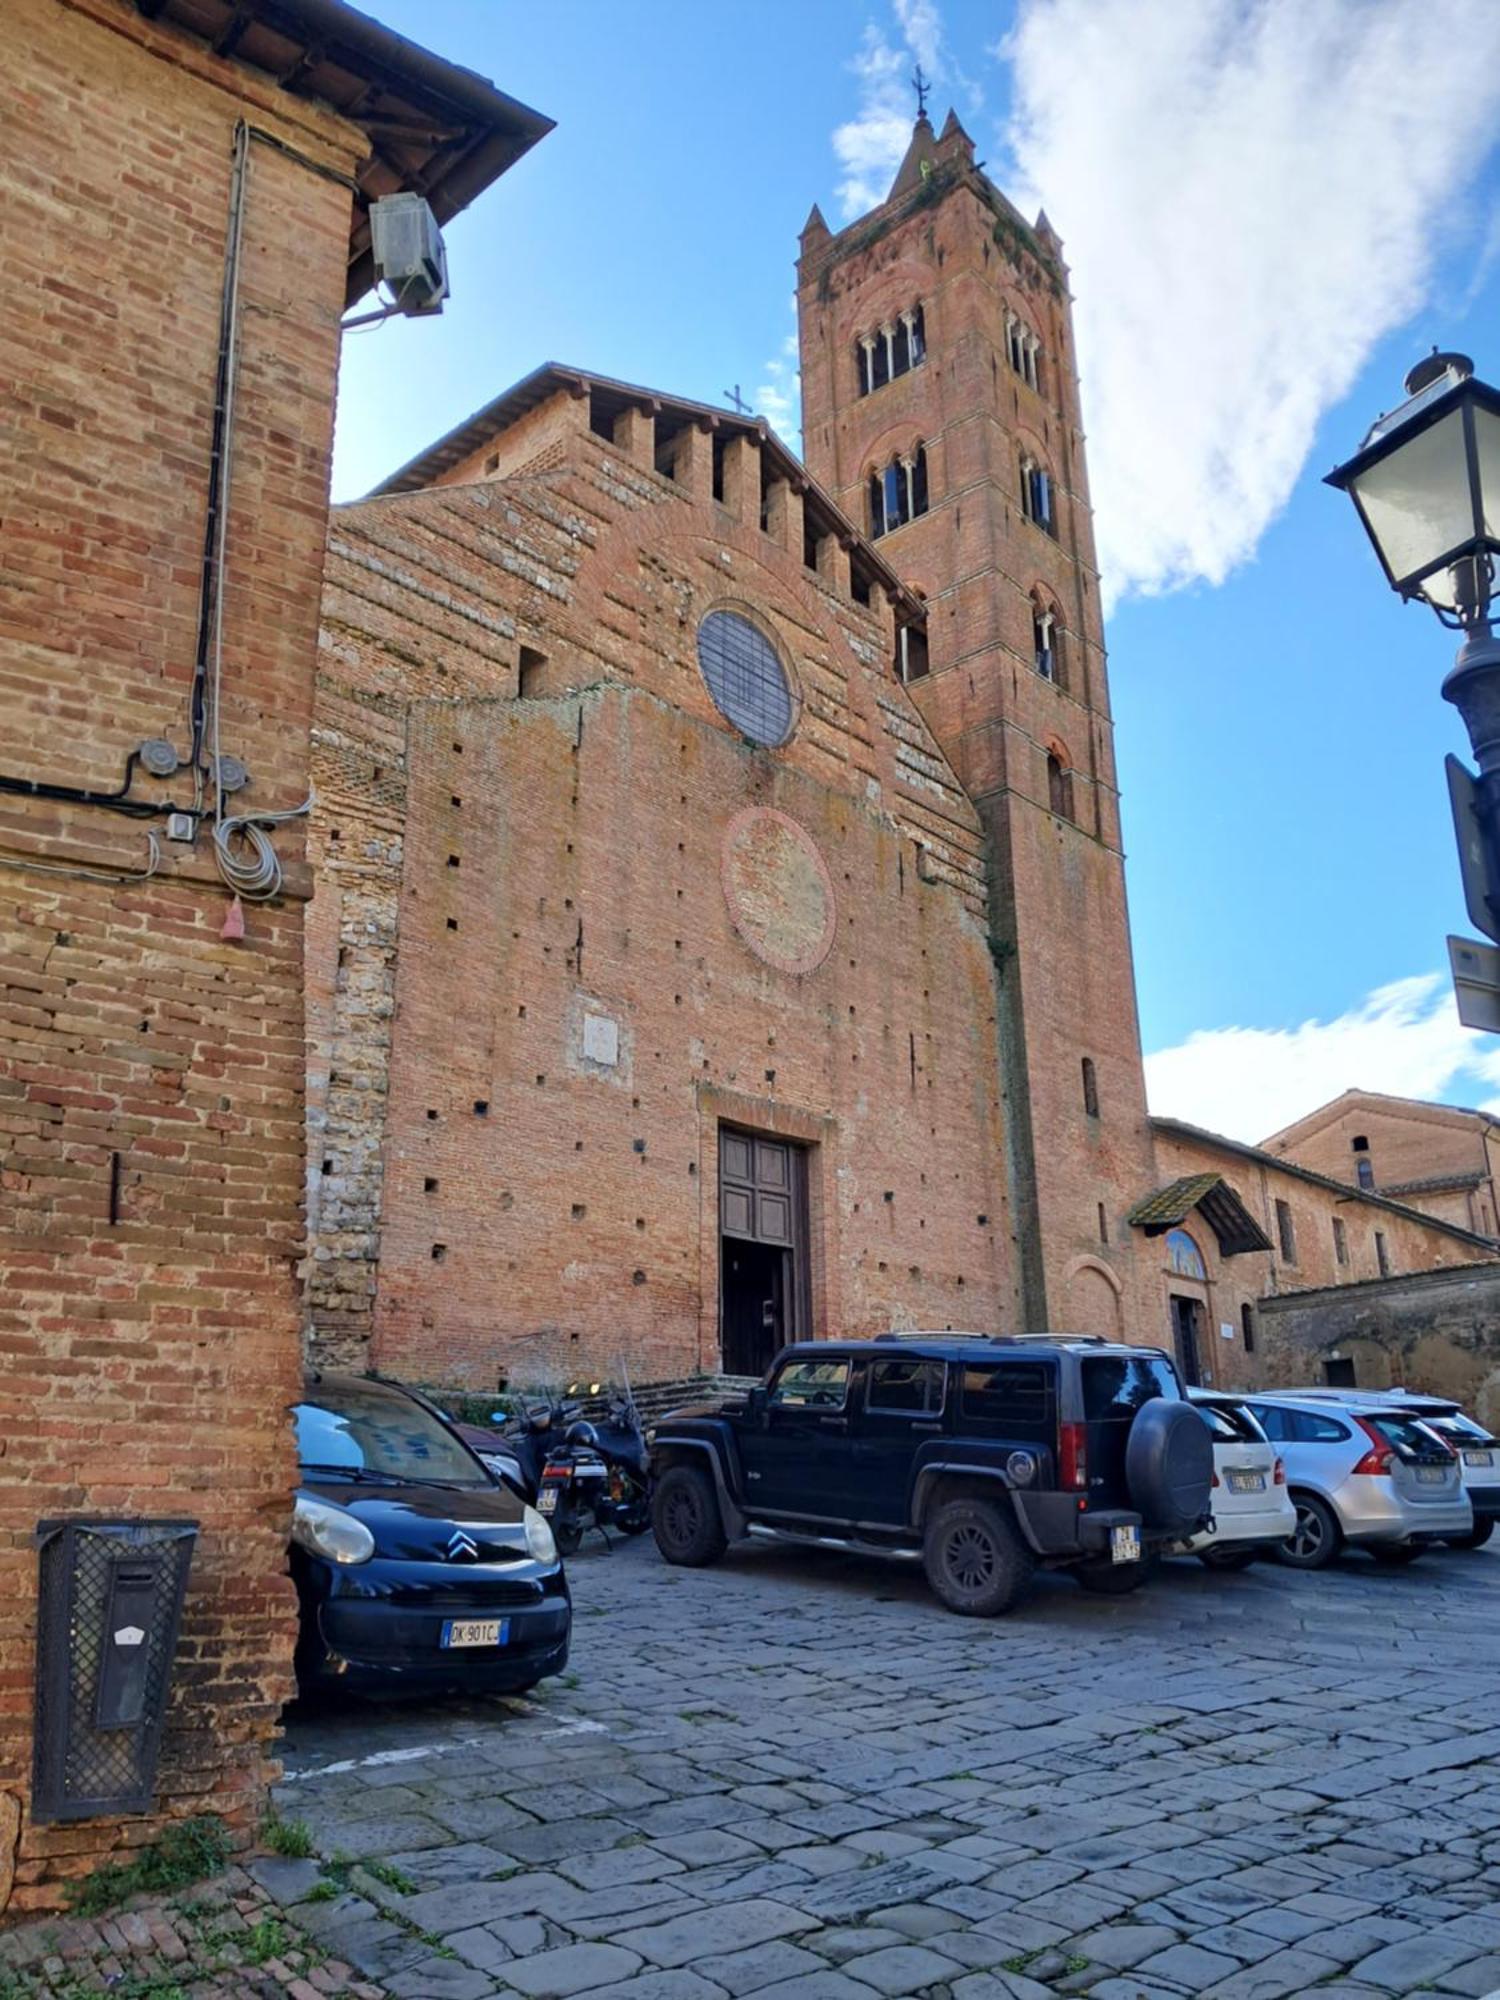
[1270,212]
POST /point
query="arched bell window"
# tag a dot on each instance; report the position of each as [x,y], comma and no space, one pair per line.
[898,492]
[1059,786]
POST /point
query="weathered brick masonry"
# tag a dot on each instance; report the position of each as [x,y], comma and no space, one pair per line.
[604,847]
[151,1072]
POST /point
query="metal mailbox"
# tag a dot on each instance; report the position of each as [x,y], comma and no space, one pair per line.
[109,1605]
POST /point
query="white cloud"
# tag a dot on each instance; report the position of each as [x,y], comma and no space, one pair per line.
[871,146]
[1404,1039]
[779,397]
[1250,193]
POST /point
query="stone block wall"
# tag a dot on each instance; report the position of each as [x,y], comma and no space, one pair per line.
[1437,1331]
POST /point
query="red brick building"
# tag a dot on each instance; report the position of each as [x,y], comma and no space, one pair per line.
[1439,1158]
[183,223]
[649,973]
[720,931]
[650,1027]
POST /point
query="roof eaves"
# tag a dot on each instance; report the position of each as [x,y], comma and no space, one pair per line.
[1343,1189]
[472,431]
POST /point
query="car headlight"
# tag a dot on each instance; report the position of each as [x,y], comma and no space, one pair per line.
[539,1538]
[331,1531]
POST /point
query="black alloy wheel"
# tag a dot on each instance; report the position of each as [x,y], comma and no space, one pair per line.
[976,1563]
[685,1518]
[1317,1537]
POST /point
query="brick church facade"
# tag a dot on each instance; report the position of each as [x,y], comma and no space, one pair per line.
[648,1028]
[720,931]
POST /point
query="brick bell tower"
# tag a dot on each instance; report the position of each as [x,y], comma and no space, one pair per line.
[940,406]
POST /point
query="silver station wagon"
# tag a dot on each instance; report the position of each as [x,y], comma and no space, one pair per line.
[1372,1478]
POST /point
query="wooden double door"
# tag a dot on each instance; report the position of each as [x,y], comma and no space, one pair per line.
[763,1264]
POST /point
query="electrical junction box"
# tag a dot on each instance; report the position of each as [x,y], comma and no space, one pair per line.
[407,246]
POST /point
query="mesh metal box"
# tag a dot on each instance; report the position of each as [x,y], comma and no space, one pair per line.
[109,1607]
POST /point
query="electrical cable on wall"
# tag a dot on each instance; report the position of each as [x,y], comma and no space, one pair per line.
[256,875]
[81,872]
[242,846]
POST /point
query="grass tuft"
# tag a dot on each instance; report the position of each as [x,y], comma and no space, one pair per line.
[184,1854]
[291,1838]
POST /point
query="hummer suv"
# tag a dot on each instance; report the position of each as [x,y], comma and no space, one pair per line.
[983,1457]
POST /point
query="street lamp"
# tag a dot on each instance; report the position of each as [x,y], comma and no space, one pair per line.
[1426,483]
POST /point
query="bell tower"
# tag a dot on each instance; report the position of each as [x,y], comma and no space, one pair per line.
[940,407]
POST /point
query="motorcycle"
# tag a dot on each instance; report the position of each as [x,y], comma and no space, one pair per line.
[517,1450]
[597,1477]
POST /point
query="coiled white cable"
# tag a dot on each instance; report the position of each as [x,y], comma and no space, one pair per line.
[254,876]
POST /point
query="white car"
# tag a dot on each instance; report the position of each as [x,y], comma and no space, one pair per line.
[1252,1509]
[1478,1450]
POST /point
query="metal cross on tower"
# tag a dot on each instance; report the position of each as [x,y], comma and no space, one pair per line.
[921,86]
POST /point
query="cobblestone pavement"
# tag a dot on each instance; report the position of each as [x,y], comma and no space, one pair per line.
[794,1775]
[222,1940]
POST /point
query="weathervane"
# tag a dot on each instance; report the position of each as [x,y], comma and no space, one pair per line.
[921,87]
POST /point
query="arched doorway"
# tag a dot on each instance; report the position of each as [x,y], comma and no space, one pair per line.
[1186,1274]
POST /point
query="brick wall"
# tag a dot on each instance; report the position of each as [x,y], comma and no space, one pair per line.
[1414,1243]
[544,861]
[1406,1142]
[148,1358]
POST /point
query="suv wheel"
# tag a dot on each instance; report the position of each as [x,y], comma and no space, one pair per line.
[975,1561]
[685,1517]
[1317,1538]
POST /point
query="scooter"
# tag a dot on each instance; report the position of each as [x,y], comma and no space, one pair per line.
[599,1477]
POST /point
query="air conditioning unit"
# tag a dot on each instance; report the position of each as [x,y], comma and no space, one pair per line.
[408,250]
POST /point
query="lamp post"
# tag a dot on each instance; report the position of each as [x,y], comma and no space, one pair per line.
[1426,484]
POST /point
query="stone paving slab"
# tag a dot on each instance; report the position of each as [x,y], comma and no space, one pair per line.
[794,1775]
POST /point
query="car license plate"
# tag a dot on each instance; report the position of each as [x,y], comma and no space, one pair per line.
[1431,1475]
[1479,1458]
[1124,1545]
[1247,1482]
[475,1631]
[546,1500]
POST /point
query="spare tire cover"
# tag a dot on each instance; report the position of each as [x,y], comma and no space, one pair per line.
[1169,1464]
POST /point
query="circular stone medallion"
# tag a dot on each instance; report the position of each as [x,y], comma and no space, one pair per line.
[778,890]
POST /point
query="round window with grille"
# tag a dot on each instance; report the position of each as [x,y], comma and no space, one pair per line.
[745,677]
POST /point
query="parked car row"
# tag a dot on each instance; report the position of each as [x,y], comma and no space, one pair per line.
[428,1554]
[986,1458]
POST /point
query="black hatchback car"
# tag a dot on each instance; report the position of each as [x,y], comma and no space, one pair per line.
[414,1568]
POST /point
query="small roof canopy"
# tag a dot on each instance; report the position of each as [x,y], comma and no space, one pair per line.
[1215,1200]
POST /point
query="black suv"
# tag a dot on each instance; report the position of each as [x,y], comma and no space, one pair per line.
[983,1456]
